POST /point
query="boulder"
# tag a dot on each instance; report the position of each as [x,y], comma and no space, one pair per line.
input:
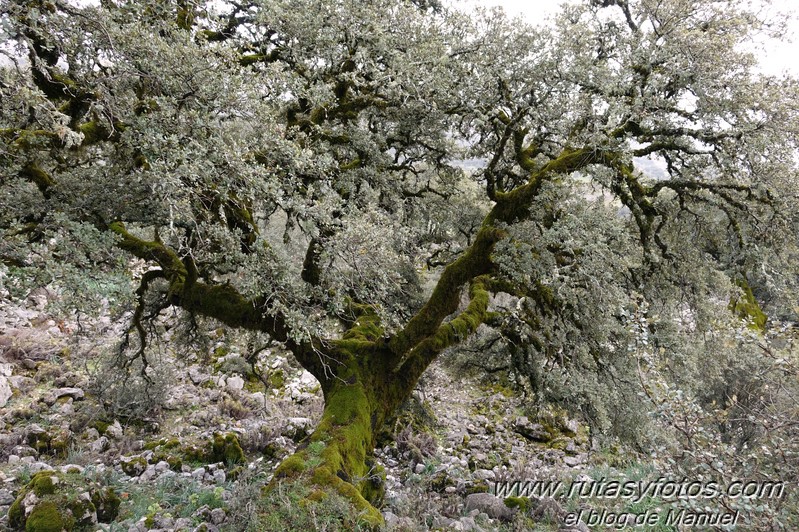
[56,501]
[490,505]
[5,391]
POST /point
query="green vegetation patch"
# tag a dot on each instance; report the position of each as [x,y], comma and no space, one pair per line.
[64,501]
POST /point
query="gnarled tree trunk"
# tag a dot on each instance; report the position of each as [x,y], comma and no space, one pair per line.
[365,387]
[338,455]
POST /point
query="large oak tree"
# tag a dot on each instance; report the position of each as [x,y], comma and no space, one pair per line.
[358,180]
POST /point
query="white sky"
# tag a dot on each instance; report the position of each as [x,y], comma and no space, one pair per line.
[776,58]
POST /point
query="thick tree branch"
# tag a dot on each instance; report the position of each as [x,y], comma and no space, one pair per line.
[221,302]
[446,295]
[445,335]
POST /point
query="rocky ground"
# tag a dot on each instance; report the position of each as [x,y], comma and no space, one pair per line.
[217,426]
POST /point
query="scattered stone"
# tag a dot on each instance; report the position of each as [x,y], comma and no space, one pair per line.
[22,383]
[114,430]
[133,467]
[67,409]
[484,474]
[468,524]
[259,399]
[6,498]
[571,427]
[183,523]
[53,396]
[75,393]
[162,522]
[490,505]
[443,523]
[235,383]
[531,431]
[297,428]
[546,509]
[197,376]
[72,468]
[5,391]
[308,381]
[480,449]
[574,461]
[101,444]
[148,474]
[218,516]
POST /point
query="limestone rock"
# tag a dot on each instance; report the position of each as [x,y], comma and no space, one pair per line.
[490,505]
[5,391]
[235,383]
[531,431]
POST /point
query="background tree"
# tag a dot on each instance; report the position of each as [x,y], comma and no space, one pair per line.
[296,168]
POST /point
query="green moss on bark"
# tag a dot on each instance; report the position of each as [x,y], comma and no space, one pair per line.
[747,308]
[338,457]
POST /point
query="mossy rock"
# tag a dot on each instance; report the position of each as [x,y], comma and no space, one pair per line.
[499,388]
[175,462]
[134,467]
[46,517]
[101,426]
[223,448]
[235,472]
[59,445]
[441,481]
[195,454]
[164,443]
[555,420]
[306,506]
[221,351]
[478,486]
[21,413]
[561,443]
[274,451]
[277,379]
[106,503]
[522,503]
[54,501]
[43,484]
[373,487]
[52,444]
[39,441]
[226,448]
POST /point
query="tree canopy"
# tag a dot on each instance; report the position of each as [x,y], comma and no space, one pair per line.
[371,183]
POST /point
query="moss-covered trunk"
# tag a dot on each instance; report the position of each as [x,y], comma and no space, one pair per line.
[338,456]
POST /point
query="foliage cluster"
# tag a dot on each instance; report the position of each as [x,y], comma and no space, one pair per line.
[298,168]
